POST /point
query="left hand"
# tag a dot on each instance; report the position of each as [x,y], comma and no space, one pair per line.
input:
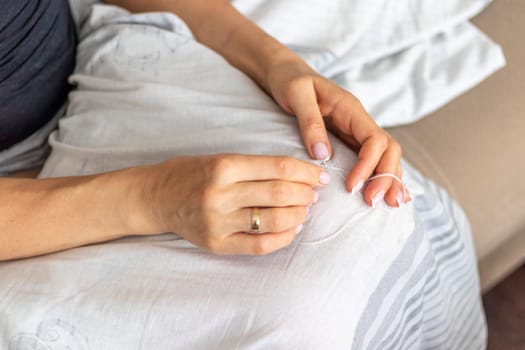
[319,104]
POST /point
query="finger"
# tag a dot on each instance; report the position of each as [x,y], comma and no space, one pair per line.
[407,197]
[239,168]
[271,219]
[369,157]
[389,164]
[397,194]
[351,119]
[303,102]
[394,196]
[406,194]
[250,244]
[375,191]
[274,193]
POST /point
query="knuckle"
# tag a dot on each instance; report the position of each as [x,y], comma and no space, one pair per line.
[281,193]
[303,214]
[396,147]
[296,216]
[275,223]
[314,125]
[219,166]
[285,167]
[297,83]
[350,104]
[354,100]
[382,141]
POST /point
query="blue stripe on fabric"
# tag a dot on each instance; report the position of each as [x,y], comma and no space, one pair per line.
[458,306]
[402,261]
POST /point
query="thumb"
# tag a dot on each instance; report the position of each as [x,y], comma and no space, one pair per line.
[303,103]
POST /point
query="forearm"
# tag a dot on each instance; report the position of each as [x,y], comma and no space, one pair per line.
[218,25]
[43,216]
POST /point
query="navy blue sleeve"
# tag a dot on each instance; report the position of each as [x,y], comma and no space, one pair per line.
[37,54]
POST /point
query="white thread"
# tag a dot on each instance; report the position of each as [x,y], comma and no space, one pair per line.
[327,165]
[324,164]
[393,177]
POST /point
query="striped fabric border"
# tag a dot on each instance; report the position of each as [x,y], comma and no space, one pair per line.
[430,297]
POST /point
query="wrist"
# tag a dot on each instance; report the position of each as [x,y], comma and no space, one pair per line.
[129,194]
[273,56]
[258,60]
[150,202]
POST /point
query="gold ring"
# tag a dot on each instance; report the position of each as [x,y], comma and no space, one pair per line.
[255,221]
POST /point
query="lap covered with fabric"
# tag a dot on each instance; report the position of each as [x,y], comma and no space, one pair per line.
[368,277]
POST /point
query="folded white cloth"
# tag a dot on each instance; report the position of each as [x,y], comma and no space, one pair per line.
[402,59]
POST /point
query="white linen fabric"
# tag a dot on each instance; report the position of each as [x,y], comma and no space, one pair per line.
[355,277]
[402,59]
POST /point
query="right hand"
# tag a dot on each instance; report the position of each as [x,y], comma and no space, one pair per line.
[208,200]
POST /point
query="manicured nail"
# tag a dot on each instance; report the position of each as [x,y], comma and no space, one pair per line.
[299,228]
[377,198]
[357,187]
[320,151]
[316,197]
[399,198]
[324,178]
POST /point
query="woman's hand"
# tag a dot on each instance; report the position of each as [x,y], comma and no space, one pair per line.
[208,200]
[297,88]
[319,105]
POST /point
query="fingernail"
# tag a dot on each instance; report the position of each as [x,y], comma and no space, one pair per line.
[320,151]
[377,198]
[324,178]
[357,187]
[316,197]
[299,228]
[399,198]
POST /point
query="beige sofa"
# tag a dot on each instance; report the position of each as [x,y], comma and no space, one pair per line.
[475,148]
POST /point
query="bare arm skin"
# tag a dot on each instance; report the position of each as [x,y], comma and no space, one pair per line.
[206,199]
[40,216]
